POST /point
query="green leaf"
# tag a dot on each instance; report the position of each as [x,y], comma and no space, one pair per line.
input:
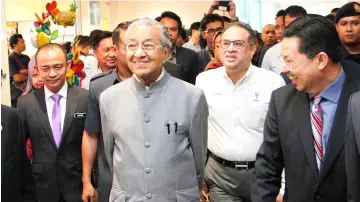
[54,35]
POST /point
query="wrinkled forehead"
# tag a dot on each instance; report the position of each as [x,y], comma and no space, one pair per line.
[142,33]
[235,33]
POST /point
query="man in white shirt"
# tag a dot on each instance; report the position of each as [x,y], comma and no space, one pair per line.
[54,118]
[194,42]
[238,95]
[271,59]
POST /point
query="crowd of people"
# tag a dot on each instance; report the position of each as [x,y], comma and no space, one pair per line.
[224,114]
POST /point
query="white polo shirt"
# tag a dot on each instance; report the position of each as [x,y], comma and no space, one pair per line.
[237,112]
[271,59]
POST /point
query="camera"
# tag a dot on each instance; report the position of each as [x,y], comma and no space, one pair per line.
[223,4]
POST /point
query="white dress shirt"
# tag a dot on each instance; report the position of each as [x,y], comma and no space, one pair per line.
[85,83]
[50,103]
[237,112]
[271,59]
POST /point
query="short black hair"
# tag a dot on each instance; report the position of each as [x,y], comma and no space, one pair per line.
[316,34]
[280,13]
[334,10]
[84,41]
[102,35]
[247,27]
[67,46]
[209,18]
[195,25]
[51,45]
[182,33]
[93,35]
[171,15]
[116,33]
[226,19]
[14,39]
[295,11]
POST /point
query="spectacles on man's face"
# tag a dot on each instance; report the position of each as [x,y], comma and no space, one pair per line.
[172,29]
[147,46]
[213,31]
[236,43]
[293,64]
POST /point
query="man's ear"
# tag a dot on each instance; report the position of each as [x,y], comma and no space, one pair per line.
[68,65]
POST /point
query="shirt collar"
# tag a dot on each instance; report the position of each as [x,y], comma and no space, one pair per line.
[161,76]
[115,75]
[247,74]
[62,92]
[333,91]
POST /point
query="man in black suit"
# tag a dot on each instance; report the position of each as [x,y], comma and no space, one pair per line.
[309,114]
[352,149]
[54,118]
[184,58]
[17,184]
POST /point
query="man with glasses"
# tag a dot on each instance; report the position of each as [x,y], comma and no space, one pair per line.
[155,142]
[304,131]
[92,144]
[238,95]
[184,58]
[209,26]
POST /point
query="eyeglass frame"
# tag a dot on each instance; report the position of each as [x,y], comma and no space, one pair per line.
[232,42]
[214,31]
[142,47]
[283,63]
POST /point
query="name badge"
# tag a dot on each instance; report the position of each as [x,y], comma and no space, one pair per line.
[79,115]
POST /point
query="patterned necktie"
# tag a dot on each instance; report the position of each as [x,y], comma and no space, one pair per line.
[317,126]
[56,119]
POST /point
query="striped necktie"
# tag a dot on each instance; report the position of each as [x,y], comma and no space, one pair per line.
[317,126]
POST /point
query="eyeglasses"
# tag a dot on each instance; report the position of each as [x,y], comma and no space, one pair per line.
[172,29]
[291,65]
[237,43]
[213,31]
[145,47]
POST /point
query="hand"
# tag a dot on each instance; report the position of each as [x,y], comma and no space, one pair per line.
[204,192]
[19,78]
[212,7]
[279,198]
[232,12]
[23,72]
[88,193]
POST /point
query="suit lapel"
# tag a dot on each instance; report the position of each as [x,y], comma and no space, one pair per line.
[337,135]
[71,105]
[303,125]
[41,111]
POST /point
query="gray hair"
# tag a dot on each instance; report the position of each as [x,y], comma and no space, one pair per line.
[164,34]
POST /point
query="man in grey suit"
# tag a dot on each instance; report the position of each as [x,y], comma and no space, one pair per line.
[304,130]
[54,119]
[352,149]
[155,142]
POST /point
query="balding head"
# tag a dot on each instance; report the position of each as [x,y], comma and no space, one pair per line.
[268,35]
[48,47]
[52,65]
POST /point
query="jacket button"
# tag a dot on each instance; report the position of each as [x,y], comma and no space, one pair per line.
[149,195]
[147,119]
[317,196]
[147,144]
[146,95]
[148,170]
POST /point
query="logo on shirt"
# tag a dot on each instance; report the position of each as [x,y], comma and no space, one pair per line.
[256,96]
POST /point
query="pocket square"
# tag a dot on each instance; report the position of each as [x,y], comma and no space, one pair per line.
[80,115]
